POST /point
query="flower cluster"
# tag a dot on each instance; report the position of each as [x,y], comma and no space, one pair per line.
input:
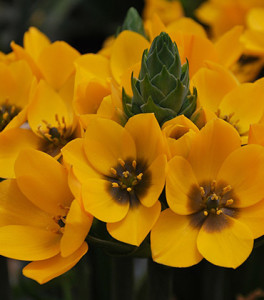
[159,137]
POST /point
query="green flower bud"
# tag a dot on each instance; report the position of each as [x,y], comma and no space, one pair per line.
[163,84]
[132,22]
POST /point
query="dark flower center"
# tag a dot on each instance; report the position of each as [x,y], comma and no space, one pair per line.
[7,113]
[129,180]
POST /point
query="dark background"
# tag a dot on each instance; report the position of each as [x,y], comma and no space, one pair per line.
[84,24]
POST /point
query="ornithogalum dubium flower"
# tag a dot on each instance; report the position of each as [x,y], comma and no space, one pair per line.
[40,219]
[121,171]
[215,197]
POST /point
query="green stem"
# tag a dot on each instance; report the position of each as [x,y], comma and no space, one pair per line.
[5,291]
[122,278]
[160,281]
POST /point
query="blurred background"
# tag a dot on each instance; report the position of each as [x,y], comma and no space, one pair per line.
[84,24]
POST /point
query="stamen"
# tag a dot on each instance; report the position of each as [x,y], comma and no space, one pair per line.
[205,213]
[213,184]
[125,174]
[139,176]
[134,164]
[219,212]
[115,185]
[202,191]
[226,189]
[113,171]
[214,197]
[229,202]
[5,116]
[134,182]
[129,189]
[122,163]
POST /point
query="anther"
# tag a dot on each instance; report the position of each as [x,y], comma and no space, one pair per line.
[219,212]
[205,213]
[129,189]
[115,185]
[125,174]
[122,163]
[134,182]
[139,176]
[113,171]
[202,191]
[5,116]
[134,164]
[226,189]
[213,184]
[229,202]
[214,197]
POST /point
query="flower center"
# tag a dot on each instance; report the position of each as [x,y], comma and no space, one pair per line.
[214,201]
[129,179]
[56,136]
[7,113]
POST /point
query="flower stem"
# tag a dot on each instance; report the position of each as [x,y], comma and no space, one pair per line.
[122,278]
[5,291]
[160,281]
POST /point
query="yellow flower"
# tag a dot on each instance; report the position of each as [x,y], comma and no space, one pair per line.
[216,202]
[220,94]
[52,62]
[223,15]
[52,124]
[16,82]
[168,11]
[39,218]
[121,171]
[179,133]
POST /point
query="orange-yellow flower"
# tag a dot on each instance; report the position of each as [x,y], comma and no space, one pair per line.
[121,171]
[220,94]
[215,199]
[40,219]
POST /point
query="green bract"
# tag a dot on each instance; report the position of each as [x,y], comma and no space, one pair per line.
[163,84]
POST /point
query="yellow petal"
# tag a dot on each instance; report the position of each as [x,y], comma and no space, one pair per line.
[45,270]
[78,224]
[232,37]
[187,25]
[212,84]
[75,158]
[28,243]
[253,42]
[157,172]
[228,247]
[98,201]
[43,180]
[13,141]
[173,240]
[136,225]
[255,19]
[35,42]
[22,54]
[127,50]
[95,65]
[195,48]
[244,171]
[183,196]
[256,134]
[149,143]
[210,148]
[16,209]
[88,99]
[45,106]
[105,142]
[56,63]
[245,103]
